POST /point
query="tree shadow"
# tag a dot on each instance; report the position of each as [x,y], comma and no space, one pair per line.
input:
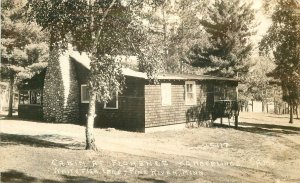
[16,117]
[40,141]
[281,116]
[272,126]
[278,116]
[152,180]
[224,125]
[268,129]
[79,179]
[20,177]
[15,176]
[269,116]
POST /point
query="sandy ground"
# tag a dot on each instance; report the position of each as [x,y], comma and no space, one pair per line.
[265,148]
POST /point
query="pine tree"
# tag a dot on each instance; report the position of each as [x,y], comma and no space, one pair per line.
[229,26]
[283,42]
[24,50]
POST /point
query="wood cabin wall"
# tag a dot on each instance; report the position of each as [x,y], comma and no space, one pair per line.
[82,78]
[130,114]
[158,115]
[31,112]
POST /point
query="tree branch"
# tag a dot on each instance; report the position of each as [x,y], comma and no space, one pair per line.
[101,25]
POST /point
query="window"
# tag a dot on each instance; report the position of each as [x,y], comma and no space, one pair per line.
[30,97]
[224,93]
[166,94]
[35,97]
[24,97]
[85,96]
[113,103]
[190,93]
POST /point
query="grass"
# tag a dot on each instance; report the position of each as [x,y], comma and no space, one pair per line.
[265,148]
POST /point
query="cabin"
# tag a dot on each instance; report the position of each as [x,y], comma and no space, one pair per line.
[60,94]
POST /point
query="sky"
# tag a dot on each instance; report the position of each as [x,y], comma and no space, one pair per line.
[263,21]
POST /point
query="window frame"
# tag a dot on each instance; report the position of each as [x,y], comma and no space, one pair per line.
[21,97]
[194,100]
[170,96]
[81,94]
[117,103]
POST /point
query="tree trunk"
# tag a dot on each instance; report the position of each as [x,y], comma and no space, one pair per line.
[297,111]
[236,121]
[90,139]
[11,96]
[291,113]
[279,110]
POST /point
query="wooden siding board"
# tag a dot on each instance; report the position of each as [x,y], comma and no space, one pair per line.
[158,115]
[30,111]
[130,114]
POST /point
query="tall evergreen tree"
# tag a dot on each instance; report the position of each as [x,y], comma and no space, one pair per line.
[229,26]
[283,42]
[24,49]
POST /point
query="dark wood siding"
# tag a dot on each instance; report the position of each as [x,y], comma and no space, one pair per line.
[158,115]
[130,114]
[30,111]
[82,78]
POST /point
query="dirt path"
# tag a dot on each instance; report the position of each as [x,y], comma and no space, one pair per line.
[264,149]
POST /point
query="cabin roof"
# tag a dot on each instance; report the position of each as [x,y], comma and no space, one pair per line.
[83,59]
[164,76]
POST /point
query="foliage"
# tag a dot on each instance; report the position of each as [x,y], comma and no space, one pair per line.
[204,112]
[229,26]
[269,6]
[198,113]
[225,109]
[24,49]
[256,83]
[283,42]
[169,30]
[107,83]
[189,32]
[152,45]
